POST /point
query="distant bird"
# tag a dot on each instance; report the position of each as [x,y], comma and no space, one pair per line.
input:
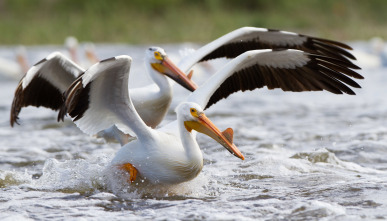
[374,56]
[72,46]
[170,154]
[14,69]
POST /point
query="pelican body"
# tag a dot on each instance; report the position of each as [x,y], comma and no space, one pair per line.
[174,163]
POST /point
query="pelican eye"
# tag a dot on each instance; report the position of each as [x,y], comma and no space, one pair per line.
[194,112]
[158,55]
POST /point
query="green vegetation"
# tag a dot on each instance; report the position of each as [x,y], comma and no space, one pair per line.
[167,21]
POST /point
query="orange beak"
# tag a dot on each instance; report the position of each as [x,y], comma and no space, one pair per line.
[168,68]
[92,57]
[225,138]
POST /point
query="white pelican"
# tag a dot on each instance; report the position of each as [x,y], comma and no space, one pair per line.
[372,56]
[45,83]
[15,69]
[151,107]
[170,154]
[72,45]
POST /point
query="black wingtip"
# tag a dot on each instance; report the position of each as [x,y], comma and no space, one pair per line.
[14,121]
[61,115]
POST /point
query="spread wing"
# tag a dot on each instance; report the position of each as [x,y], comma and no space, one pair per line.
[287,69]
[245,39]
[99,99]
[44,84]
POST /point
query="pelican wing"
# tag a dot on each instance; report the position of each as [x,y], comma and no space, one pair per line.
[99,99]
[44,84]
[249,38]
[287,69]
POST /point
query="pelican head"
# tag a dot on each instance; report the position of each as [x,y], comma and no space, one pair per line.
[195,119]
[160,62]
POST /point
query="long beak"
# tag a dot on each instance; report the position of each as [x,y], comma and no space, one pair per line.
[73,55]
[92,57]
[177,75]
[23,63]
[225,138]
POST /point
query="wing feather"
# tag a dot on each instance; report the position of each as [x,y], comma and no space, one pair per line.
[99,99]
[245,39]
[44,84]
[289,70]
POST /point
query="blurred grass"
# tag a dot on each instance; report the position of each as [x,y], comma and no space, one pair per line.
[152,21]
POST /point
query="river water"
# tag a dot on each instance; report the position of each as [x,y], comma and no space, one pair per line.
[309,156]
